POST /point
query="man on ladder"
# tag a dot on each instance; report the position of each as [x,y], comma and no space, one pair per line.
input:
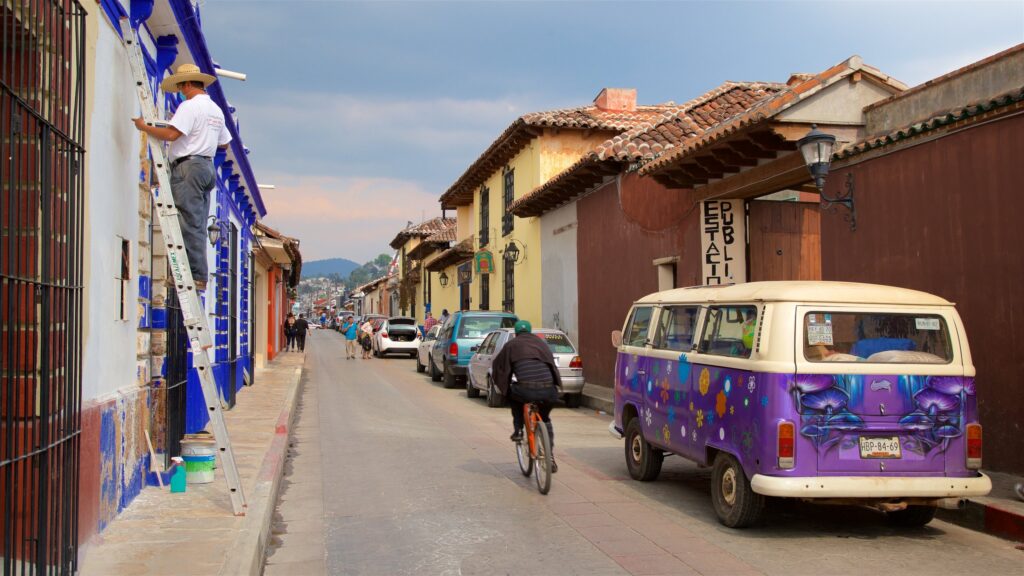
[195,132]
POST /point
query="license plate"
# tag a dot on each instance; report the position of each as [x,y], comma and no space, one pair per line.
[880,447]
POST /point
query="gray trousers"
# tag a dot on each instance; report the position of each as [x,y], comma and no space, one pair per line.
[191,184]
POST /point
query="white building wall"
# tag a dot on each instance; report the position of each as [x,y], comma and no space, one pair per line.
[559,285]
[112,213]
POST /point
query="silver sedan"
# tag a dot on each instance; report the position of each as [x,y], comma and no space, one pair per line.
[570,365]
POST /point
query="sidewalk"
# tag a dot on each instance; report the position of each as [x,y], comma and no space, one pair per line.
[1001,513]
[196,532]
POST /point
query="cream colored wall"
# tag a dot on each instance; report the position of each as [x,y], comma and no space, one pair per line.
[444,298]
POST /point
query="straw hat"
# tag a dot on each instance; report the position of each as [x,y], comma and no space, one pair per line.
[186,73]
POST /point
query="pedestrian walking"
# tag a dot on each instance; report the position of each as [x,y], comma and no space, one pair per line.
[429,322]
[301,327]
[289,332]
[195,132]
[351,333]
[366,338]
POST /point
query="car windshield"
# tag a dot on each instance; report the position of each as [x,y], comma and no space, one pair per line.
[557,342]
[876,337]
[479,326]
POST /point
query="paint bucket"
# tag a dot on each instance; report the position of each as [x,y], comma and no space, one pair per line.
[200,456]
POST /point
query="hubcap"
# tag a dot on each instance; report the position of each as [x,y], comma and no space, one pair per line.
[636,448]
[729,487]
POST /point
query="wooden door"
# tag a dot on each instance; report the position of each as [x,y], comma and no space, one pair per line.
[784,241]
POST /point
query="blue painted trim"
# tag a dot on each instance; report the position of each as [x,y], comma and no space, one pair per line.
[114,12]
[192,32]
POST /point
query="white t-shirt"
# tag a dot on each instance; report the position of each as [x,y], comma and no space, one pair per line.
[201,123]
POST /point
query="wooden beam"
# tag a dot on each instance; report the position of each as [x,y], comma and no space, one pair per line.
[784,173]
[795,131]
[750,150]
[728,156]
[770,141]
[711,164]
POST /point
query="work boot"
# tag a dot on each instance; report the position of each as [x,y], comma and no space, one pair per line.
[516,436]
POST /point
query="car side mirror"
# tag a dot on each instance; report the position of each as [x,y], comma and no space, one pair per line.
[617,338]
[474,348]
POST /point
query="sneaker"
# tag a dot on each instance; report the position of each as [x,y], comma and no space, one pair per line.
[554,466]
[516,436]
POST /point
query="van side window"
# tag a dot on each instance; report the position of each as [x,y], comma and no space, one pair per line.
[729,331]
[639,323]
[676,327]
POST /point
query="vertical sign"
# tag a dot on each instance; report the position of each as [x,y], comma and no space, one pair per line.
[723,242]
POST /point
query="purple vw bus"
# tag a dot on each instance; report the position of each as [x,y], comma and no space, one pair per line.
[830,392]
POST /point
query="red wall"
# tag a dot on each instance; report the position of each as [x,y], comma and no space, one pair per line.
[942,217]
[622,229]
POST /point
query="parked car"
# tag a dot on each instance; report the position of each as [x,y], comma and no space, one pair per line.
[449,357]
[396,335]
[570,365]
[827,392]
[423,351]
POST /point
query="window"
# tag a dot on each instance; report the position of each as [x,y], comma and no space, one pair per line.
[488,345]
[676,327]
[558,343]
[509,303]
[636,333]
[124,276]
[480,326]
[729,331]
[876,337]
[508,197]
[485,215]
[485,291]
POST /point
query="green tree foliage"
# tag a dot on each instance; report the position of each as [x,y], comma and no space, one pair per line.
[373,269]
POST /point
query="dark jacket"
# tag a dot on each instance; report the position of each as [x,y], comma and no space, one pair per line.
[301,326]
[522,347]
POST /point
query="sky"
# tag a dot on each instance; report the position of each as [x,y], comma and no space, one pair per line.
[363,113]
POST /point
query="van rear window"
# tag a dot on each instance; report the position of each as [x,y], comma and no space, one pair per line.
[876,337]
[481,325]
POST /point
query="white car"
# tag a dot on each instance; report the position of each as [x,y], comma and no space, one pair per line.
[423,354]
[397,335]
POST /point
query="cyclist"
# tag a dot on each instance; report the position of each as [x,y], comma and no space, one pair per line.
[529,358]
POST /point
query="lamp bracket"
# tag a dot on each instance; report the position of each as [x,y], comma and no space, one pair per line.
[845,199]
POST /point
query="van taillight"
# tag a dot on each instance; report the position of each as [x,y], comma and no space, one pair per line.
[974,446]
[577,362]
[786,444]
[453,350]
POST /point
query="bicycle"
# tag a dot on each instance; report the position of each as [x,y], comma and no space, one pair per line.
[533,450]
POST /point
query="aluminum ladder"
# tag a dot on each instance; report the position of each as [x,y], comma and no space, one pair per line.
[196,325]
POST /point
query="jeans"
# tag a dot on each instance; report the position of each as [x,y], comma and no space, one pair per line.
[301,337]
[519,420]
[191,184]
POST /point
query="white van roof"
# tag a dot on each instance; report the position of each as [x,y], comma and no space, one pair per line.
[798,291]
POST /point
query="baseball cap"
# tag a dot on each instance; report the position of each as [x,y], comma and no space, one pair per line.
[523,326]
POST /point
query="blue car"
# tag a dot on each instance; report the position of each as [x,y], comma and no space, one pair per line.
[449,358]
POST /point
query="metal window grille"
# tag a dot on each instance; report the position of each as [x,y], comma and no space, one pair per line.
[485,215]
[485,292]
[42,123]
[509,303]
[507,222]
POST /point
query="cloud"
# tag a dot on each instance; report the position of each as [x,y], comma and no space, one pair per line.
[344,217]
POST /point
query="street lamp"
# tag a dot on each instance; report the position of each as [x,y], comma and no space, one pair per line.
[213,231]
[816,148]
[443,279]
[512,251]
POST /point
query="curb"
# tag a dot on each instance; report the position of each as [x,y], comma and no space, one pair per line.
[988,517]
[246,554]
[597,400]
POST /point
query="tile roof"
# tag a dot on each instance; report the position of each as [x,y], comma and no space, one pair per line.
[999,104]
[650,139]
[421,230]
[455,255]
[372,283]
[528,126]
[801,87]
[435,241]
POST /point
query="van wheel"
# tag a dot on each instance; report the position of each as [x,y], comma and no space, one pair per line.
[911,516]
[434,374]
[642,459]
[736,504]
[573,400]
[494,398]
[449,378]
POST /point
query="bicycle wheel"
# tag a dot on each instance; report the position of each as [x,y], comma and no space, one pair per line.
[543,472]
[523,455]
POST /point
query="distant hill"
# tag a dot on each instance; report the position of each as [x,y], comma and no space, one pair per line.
[319,268]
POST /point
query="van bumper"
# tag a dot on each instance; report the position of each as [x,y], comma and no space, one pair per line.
[870,486]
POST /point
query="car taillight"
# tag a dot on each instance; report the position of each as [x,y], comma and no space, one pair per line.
[453,350]
[577,362]
[786,445]
[383,334]
[974,446]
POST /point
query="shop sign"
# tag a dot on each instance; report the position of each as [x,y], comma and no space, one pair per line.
[484,262]
[723,242]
